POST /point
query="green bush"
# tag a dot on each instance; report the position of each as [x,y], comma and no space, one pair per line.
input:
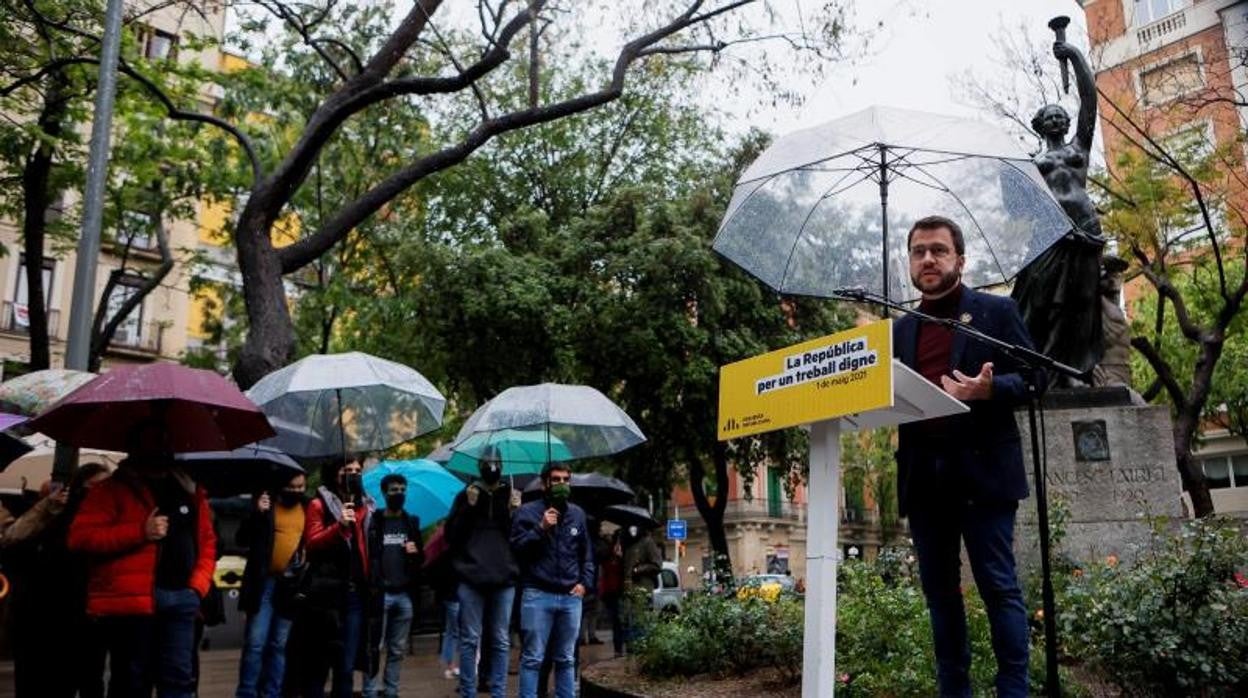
[723,635]
[1173,622]
[884,636]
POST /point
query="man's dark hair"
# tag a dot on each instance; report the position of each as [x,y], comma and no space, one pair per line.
[936,223]
[552,467]
[391,479]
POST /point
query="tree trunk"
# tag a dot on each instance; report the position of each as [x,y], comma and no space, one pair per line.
[1187,426]
[270,342]
[37,197]
[713,514]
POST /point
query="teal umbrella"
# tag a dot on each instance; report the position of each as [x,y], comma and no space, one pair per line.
[524,451]
[430,488]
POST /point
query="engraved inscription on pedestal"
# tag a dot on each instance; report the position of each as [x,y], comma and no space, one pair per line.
[1110,467]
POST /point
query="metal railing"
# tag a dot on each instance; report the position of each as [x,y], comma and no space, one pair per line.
[144,336]
[1161,27]
[762,508]
[11,320]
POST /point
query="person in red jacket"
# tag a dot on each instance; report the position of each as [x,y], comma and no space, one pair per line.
[147,534]
[337,523]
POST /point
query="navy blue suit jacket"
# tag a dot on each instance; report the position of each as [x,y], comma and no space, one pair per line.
[982,458]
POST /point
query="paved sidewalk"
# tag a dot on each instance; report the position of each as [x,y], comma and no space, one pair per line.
[421,677]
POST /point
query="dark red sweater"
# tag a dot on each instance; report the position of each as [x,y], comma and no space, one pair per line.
[936,341]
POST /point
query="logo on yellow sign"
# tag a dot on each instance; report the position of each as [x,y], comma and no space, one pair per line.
[833,376]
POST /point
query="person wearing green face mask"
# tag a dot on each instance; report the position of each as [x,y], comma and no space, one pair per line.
[552,544]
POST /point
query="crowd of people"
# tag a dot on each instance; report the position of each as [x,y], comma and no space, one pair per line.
[116,571]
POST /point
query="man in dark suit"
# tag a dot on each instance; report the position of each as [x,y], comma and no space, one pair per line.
[960,478]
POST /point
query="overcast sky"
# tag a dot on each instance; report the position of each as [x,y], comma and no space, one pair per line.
[922,45]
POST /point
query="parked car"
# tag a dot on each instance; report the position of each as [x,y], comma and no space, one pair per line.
[669,595]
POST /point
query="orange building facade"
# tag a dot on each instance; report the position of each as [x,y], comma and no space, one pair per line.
[1176,71]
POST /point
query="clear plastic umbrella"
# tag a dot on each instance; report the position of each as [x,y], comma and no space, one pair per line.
[584,420]
[828,208]
[349,402]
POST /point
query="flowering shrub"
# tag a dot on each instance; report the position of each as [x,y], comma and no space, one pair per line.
[1174,622]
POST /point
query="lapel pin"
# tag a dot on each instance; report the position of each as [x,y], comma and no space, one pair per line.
[966,318]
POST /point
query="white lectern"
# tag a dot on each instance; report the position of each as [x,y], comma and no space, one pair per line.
[914,399]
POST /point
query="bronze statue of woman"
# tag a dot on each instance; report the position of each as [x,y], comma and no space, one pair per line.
[1058,292]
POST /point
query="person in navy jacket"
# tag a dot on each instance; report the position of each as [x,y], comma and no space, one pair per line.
[960,478]
[556,556]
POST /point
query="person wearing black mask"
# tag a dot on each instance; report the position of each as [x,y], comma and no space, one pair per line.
[273,536]
[477,533]
[338,590]
[551,540]
[395,547]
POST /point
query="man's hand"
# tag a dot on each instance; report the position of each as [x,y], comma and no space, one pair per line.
[348,513]
[550,519]
[157,526]
[579,591]
[964,387]
[472,495]
[263,502]
[409,548]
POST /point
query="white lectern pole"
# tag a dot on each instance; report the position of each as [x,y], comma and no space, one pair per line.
[822,548]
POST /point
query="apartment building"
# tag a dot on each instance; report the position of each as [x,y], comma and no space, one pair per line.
[1179,69]
[164,323]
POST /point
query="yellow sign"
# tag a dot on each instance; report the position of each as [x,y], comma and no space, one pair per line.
[844,373]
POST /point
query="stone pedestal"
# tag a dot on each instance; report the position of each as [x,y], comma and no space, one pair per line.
[1110,465]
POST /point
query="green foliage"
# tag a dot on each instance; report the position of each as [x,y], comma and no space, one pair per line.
[1174,622]
[724,635]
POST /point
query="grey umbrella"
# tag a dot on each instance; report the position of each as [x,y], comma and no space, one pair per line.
[584,421]
[828,208]
[350,402]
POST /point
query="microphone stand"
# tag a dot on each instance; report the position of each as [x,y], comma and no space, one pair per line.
[1035,364]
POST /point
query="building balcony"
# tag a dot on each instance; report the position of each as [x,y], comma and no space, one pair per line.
[14,320]
[141,338]
[1158,30]
[761,509]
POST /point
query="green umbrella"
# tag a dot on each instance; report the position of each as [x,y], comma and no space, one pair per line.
[524,452]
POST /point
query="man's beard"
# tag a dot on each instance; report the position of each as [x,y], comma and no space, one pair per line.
[947,281]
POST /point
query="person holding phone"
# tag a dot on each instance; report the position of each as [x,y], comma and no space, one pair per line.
[337,546]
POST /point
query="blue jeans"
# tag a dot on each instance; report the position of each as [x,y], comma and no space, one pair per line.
[543,615]
[263,664]
[450,632]
[175,637]
[396,617]
[475,608]
[988,530]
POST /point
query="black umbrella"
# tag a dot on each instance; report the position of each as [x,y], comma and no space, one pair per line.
[628,515]
[251,468]
[11,448]
[592,491]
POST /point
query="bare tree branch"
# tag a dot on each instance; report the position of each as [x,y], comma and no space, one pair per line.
[299,254]
[104,332]
[1162,370]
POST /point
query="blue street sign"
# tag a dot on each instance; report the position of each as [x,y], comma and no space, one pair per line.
[677,529]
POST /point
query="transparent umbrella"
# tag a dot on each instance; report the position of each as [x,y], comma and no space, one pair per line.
[350,402]
[584,421]
[828,208]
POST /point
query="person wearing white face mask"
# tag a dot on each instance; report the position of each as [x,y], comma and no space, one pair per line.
[642,560]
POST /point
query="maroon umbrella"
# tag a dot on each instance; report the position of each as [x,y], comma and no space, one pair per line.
[192,409]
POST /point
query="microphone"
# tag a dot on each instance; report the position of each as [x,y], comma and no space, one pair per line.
[855,293]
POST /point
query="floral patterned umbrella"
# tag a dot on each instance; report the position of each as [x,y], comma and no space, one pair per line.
[35,392]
